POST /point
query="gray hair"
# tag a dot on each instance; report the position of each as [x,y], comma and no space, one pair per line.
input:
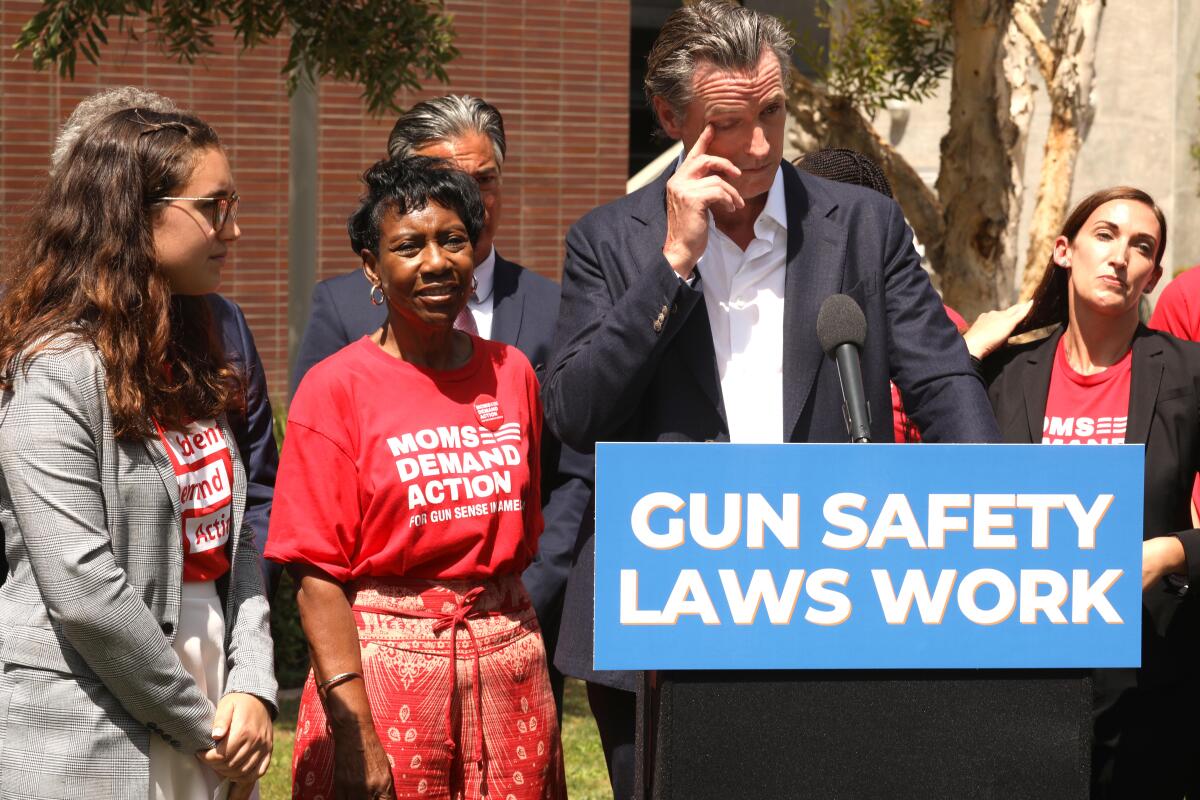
[729,36]
[96,107]
[443,118]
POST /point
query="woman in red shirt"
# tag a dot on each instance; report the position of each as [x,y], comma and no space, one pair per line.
[1101,377]
[407,505]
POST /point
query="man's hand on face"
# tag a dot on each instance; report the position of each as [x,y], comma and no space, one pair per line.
[698,185]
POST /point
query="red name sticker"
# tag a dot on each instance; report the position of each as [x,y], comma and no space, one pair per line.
[487,408]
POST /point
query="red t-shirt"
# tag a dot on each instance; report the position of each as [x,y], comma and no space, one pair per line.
[1087,409]
[1178,309]
[1178,313]
[204,472]
[392,470]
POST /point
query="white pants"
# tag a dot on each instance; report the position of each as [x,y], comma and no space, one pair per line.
[200,645]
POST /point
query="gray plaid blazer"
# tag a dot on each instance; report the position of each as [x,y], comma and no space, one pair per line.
[88,615]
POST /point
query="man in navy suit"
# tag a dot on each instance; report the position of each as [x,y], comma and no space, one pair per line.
[689,307]
[253,430]
[511,304]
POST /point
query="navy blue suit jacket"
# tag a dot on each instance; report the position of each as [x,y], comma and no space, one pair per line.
[634,358]
[524,312]
[253,431]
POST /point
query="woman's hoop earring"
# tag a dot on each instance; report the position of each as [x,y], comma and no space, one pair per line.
[377,300]
[474,284]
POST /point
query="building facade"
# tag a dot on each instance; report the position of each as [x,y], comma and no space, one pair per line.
[559,72]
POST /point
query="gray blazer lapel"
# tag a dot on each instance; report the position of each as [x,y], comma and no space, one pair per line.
[162,462]
[508,307]
[816,252]
[1145,381]
[173,536]
[239,485]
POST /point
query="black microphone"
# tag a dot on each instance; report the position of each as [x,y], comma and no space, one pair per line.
[842,331]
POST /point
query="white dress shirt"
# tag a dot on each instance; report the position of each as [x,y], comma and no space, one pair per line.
[743,293]
[481,302]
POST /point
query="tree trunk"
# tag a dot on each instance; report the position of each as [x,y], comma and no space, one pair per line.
[981,176]
[819,121]
[1054,192]
[1076,30]
[969,225]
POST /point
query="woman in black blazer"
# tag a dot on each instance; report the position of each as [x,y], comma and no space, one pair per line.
[1101,376]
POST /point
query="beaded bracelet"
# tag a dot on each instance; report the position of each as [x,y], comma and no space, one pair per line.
[324,686]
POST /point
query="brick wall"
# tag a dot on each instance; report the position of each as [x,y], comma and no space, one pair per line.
[557,71]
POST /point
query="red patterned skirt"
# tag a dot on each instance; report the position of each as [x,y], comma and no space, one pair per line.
[485,728]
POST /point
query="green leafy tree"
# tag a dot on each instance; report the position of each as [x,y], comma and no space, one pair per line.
[1195,149]
[883,50]
[384,46]
[878,51]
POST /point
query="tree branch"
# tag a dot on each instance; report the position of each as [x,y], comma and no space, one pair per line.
[1046,59]
[822,121]
[384,46]
[1076,34]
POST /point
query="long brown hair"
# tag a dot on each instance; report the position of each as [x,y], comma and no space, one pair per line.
[1050,305]
[86,267]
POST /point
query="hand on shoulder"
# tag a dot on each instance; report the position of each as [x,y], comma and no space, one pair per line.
[993,328]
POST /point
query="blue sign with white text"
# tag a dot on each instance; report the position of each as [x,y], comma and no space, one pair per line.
[817,556]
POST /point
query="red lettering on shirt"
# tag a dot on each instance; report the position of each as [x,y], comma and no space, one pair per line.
[203,468]
[188,447]
[1087,409]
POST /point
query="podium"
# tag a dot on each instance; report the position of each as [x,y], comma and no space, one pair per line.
[867,621]
[856,734]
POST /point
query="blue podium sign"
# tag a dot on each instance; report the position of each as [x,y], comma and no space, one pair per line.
[722,556]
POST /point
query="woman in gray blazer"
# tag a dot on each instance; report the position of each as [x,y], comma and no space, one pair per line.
[135,657]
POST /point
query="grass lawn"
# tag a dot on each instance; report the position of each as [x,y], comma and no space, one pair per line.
[587,778]
[277,783]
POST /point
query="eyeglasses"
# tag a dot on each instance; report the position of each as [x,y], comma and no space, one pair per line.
[224,209]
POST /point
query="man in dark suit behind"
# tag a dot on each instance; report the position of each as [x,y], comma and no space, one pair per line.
[689,307]
[511,304]
[254,427]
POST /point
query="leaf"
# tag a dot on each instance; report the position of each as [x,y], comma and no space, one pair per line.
[881,50]
[385,46]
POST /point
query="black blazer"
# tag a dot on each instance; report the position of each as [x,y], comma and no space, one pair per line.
[524,311]
[1164,415]
[634,358]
